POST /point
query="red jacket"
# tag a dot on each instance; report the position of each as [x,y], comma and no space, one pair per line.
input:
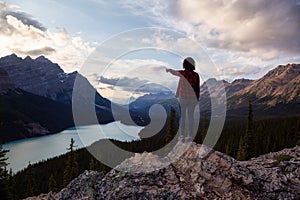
[189,84]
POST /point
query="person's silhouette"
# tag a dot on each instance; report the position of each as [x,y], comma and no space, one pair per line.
[188,91]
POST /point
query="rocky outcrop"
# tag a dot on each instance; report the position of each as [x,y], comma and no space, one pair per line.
[215,176]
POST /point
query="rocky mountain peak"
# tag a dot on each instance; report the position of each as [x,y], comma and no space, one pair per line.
[28,58]
[214,176]
[39,76]
[43,59]
[280,69]
[241,81]
[10,60]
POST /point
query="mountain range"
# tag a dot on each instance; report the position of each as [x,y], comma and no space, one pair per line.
[23,114]
[276,93]
[36,98]
[25,82]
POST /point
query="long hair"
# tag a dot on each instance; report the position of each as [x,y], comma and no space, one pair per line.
[189,64]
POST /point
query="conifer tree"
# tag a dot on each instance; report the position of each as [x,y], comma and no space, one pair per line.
[4,189]
[71,166]
[92,164]
[12,186]
[242,150]
[101,167]
[30,182]
[246,148]
[249,136]
[52,186]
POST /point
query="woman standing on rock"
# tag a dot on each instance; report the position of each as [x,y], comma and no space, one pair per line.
[188,91]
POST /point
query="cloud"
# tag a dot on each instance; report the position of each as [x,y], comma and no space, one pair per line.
[258,33]
[133,85]
[36,52]
[7,11]
[20,33]
[124,82]
[263,28]
[134,77]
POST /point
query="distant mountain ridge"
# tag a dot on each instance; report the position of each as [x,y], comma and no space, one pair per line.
[280,84]
[276,92]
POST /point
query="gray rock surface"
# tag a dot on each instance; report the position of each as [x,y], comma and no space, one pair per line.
[216,176]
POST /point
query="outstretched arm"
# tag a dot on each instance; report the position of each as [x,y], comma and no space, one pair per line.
[174,72]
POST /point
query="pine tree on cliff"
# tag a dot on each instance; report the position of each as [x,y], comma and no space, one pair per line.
[241,153]
[4,189]
[246,144]
[249,137]
[71,166]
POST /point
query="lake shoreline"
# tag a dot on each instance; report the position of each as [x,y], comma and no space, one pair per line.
[36,149]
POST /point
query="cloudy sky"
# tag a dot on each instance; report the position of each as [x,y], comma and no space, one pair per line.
[110,41]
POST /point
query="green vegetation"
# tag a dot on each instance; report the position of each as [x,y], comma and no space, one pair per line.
[52,183]
[246,148]
[71,168]
[283,158]
[269,135]
[4,175]
[19,108]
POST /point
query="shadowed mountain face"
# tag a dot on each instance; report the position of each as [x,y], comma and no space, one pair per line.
[39,76]
[5,82]
[23,114]
[36,97]
[42,77]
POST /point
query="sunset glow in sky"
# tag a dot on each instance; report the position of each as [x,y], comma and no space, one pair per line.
[243,39]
